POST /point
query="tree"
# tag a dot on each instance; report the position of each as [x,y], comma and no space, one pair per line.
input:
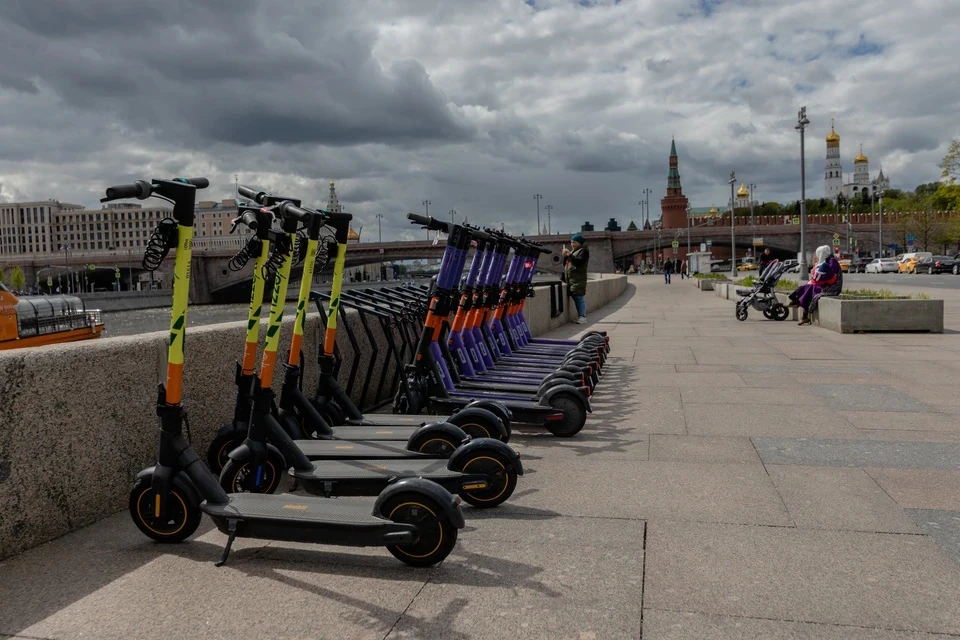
[3,276]
[632,226]
[951,162]
[926,189]
[17,279]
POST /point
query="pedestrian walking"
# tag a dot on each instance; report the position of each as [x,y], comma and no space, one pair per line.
[683,270]
[667,270]
[765,259]
[576,259]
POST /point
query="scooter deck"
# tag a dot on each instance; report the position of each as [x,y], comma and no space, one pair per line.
[362,450]
[374,432]
[387,419]
[293,509]
[377,471]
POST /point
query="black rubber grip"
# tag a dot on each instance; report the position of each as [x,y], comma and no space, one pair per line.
[424,220]
[288,209]
[249,218]
[141,189]
[478,234]
[199,183]
[337,217]
[247,192]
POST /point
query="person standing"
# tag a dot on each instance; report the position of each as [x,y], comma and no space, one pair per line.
[667,270]
[765,259]
[576,259]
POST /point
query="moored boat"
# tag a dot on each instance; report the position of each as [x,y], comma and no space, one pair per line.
[31,321]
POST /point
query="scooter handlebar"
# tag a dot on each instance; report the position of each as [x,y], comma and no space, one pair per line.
[430,223]
[199,183]
[288,209]
[248,219]
[247,192]
[141,189]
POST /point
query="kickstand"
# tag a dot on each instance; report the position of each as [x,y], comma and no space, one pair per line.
[232,529]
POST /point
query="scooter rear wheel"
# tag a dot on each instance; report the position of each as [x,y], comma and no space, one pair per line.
[242,476]
[501,480]
[434,444]
[182,519]
[574,415]
[437,535]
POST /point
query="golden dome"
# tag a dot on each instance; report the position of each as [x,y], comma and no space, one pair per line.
[833,140]
[352,235]
[743,192]
[713,212]
[860,159]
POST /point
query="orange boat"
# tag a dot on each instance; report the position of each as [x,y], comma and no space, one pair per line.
[32,321]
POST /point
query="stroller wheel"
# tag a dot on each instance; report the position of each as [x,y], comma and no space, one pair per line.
[741,313]
[780,312]
[768,314]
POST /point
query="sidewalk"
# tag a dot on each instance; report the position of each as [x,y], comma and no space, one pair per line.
[736,480]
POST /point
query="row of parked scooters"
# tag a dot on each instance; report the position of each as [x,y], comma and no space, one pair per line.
[476,364]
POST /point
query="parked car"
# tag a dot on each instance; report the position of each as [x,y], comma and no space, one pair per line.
[882,265]
[908,262]
[859,265]
[956,265]
[934,264]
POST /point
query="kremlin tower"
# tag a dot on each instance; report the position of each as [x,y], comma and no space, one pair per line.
[833,172]
[673,207]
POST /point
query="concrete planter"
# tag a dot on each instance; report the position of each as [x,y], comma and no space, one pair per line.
[852,316]
[705,285]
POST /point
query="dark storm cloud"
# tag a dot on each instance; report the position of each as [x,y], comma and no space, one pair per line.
[242,72]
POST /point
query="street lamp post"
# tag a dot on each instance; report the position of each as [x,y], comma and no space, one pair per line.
[880,218]
[688,235]
[130,268]
[66,258]
[453,215]
[426,208]
[538,198]
[379,228]
[801,125]
[646,201]
[753,222]
[733,233]
[548,209]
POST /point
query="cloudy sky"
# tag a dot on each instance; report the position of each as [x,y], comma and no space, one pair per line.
[474,105]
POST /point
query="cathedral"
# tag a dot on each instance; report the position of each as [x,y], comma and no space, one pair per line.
[861,186]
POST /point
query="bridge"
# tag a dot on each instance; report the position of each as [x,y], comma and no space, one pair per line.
[213,281]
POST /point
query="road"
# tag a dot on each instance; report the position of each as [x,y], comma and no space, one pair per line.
[860,280]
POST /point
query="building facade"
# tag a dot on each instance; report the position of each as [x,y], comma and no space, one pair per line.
[50,227]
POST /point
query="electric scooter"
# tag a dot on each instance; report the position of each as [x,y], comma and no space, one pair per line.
[561,409]
[294,410]
[416,520]
[482,471]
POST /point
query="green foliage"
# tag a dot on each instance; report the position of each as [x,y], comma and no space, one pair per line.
[710,276]
[17,279]
[880,294]
[785,284]
[632,226]
[951,163]
[3,276]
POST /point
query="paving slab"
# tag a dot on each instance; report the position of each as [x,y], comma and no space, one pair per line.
[859,453]
[738,395]
[675,625]
[688,380]
[703,449]
[942,526]
[840,499]
[587,583]
[770,380]
[920,488]
[657,489]
[900,435]
[902,421]
[672,356]
[889,581]
[706,355]
[868,397]
[749,419]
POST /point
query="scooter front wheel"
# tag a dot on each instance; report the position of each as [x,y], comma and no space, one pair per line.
[218,453]
[436,534]
[243,476]
[182,517]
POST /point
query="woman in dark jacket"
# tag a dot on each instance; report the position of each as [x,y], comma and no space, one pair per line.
[826,279]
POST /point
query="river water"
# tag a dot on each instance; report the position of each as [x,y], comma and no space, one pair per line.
[129,323]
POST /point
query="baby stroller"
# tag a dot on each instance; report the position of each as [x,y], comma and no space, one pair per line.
[763,297]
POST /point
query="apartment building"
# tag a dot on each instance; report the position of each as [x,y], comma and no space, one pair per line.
[45,227]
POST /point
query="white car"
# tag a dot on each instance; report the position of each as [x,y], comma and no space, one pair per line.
[883,265]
